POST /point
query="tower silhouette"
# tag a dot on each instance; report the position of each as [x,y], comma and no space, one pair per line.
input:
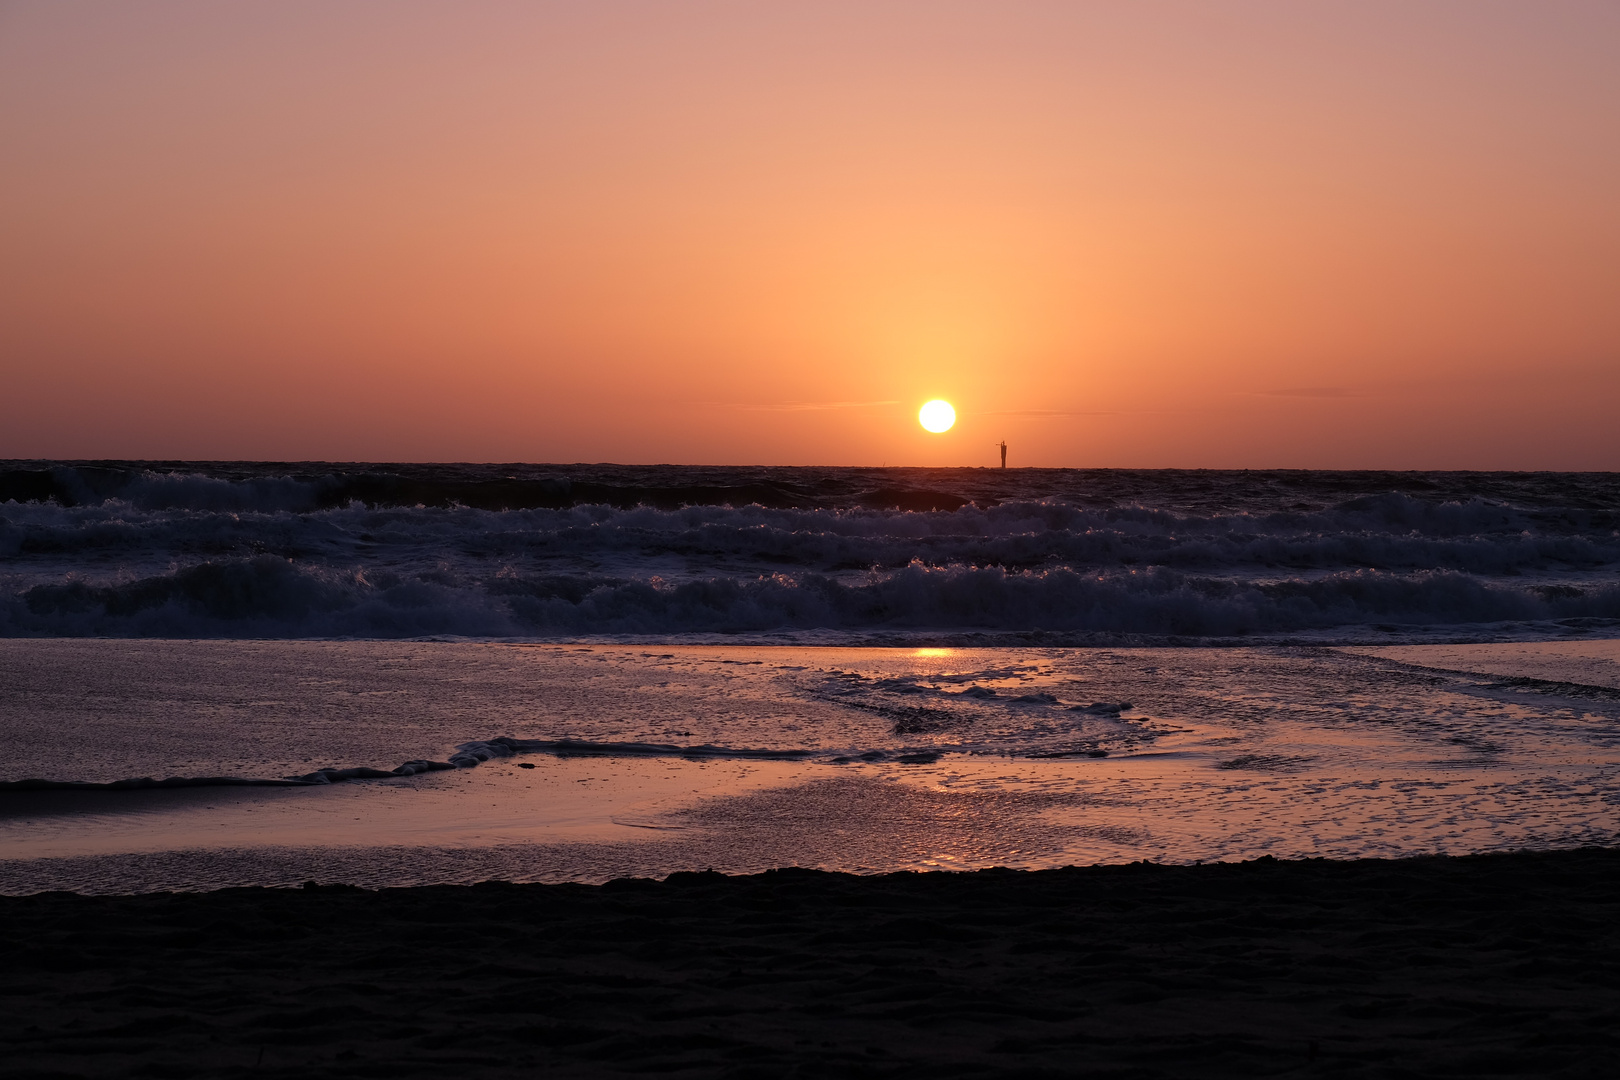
[1003,453]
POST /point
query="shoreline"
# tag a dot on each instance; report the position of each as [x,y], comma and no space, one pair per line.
[1463,965]
[891,760]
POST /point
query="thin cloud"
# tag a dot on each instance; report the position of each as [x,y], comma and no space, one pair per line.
[1314,392]
[797,406]
[1047,413]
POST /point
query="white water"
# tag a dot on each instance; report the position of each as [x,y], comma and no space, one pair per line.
[829,556]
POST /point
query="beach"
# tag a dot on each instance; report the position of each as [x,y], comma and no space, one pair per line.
[1256,775]
[792,861]
[580,763]
[452,624]
[1466,966]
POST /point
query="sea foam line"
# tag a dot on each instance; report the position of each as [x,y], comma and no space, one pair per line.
[468,755]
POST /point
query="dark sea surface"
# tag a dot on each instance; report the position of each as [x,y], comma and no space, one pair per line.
[808,555]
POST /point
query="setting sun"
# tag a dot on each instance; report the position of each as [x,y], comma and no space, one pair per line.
[524,385]
[937,416]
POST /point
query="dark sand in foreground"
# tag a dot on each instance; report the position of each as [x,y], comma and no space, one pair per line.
[1485,965]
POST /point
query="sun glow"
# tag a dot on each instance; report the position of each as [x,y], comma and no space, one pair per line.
[937,416]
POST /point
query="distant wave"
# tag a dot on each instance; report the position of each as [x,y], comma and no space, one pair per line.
[1389,531]
[473,487]
[308,486]
[392,551]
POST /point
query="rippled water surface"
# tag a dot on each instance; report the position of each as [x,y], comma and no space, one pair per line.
[629,760]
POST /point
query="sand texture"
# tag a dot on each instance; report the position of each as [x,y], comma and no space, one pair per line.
[1484,965]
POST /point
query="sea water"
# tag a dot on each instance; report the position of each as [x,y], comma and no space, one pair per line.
[829,556]
[222,674]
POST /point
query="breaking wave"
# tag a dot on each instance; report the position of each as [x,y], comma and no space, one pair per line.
[274,597]
[401,551]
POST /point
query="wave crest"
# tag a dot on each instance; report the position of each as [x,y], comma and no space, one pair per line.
[267,596]
[279,550]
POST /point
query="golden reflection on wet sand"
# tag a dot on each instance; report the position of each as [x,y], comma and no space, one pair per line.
[1192,755]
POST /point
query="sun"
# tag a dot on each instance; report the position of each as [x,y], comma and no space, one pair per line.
[937,416]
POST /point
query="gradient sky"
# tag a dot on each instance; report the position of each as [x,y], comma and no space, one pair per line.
[1276,234]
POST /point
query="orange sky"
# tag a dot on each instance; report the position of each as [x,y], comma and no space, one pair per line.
[1146,234]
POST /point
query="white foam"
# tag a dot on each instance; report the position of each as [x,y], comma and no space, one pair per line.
[172,554]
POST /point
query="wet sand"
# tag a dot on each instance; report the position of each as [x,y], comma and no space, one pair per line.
[901,759]
[1479,965]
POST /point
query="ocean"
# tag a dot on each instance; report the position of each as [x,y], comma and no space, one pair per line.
[261,673]
[822,555]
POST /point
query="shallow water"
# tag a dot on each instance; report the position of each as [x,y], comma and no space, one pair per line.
[909,758]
